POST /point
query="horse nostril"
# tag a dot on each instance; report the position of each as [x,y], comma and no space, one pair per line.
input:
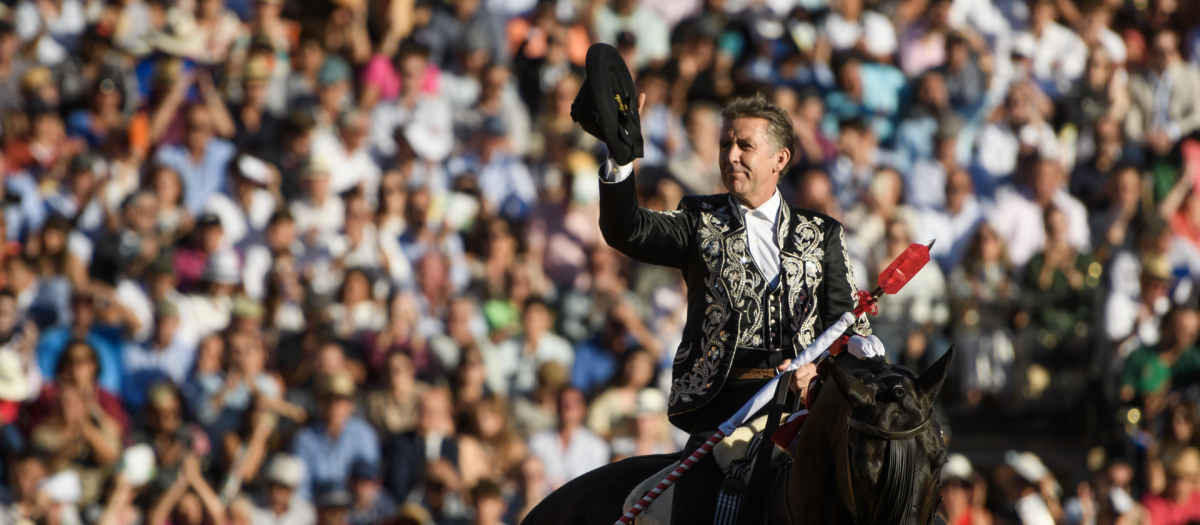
[898,392]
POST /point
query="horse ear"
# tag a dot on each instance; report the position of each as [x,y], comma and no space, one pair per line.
[931,381]
[854,390]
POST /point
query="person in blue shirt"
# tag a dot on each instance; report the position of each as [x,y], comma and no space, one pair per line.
[201,160]
[106,340]
[167,356]
[338,438]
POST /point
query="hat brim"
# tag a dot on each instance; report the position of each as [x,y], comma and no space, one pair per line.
[606,105]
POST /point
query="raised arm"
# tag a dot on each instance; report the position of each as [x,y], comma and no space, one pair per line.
[650,236]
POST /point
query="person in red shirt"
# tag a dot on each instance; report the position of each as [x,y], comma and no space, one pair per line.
[1179,504]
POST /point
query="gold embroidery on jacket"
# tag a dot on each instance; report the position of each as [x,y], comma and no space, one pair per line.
[714,223]
[746,287]
[810,249]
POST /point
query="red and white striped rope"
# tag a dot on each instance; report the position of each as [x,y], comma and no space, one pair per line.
[655,492]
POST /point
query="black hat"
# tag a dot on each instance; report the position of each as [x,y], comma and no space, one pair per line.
[606,106]
[209,219]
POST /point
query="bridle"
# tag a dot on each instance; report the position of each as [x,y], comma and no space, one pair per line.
[901,459]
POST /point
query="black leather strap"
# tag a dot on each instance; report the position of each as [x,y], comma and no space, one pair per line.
[753,504]
[888,434]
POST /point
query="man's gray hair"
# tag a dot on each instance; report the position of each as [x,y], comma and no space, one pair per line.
[779,124]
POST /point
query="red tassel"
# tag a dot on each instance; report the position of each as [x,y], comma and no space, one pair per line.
[866,304]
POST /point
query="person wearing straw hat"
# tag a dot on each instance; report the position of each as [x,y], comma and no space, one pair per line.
[282,505]
[244,212]
[255,121]
[337,438]
[1031,489]
[319,211]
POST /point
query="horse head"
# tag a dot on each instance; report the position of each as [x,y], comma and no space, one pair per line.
[883,448]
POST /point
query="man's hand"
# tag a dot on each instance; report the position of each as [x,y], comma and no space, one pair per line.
[801,378]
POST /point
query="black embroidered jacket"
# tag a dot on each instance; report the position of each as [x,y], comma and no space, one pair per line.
[731,306]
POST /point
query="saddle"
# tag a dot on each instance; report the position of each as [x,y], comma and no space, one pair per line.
[735,455]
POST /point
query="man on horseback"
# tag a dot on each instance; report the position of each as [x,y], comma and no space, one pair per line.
[764,278]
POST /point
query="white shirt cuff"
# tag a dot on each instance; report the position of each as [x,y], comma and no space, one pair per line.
[616,173]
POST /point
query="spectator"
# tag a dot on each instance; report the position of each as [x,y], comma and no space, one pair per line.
[423,118]
[403,335]
[1018,215]
[570,449]
[877,106]
[1161,112]
[696,165]
[513,366]
[922,308]
[170,437]
[624,397]
[957,492]
[1102,92]
[430,442]
[167,355]
[78,423]
[1179,503]
[489,449]
[1061,55]
[1060,283]
[954,223]
[505,181]
[647,431]
[489,504]
[982,291]
[632,17]
[852,28]
[371,504]
[1019,127]
[245,212]
[333,505]
[932,111]
[1174,361]
[1132,317]
[347,149]
[200,161]
[219,399]
[282,504]
[392,410]
[966,71]
[1105,497]
[320,212]
[103,340]
[1029,487]
[336,439]
[22,500]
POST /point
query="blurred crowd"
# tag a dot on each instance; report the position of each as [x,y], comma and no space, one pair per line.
[337,262]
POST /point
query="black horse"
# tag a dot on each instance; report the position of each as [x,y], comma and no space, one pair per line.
[870,453]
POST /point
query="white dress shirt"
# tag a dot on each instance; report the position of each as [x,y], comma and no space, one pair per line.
[760,233]
[760,225]
[566,461]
